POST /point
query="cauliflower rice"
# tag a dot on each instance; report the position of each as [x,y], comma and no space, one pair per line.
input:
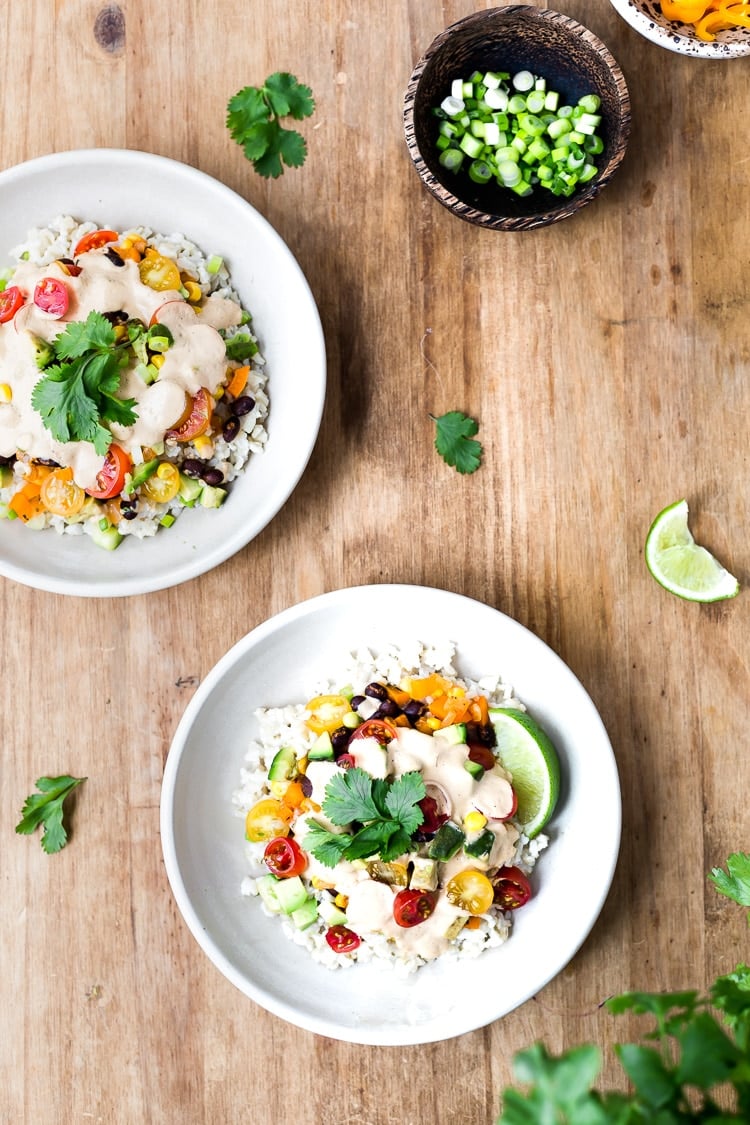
[141,515]
[286,727]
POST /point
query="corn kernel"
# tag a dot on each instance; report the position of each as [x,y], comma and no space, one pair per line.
[342,901]
[204,447]
[120,332]
[474,821]
[320,884]
[218,393]
[302,765]
[158,360]
[6,392]
[279,788]
[432,722]
[125,243]
[457,692]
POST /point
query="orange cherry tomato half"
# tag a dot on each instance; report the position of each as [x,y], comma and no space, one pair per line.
[266,819]
[11,300]
[512,888]
[51,296]
[110,479]
[198,418]
[470,890]
[410,907]
[342,940]
[158,272]
[379,729]
[327,712]
[284,857]
[61,495]
[94,241]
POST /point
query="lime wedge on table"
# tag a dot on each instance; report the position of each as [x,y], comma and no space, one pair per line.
[680,565]
[529,756]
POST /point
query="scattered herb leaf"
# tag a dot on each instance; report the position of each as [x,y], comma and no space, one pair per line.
[254,122]
[46,808]
[78,392]
[387,810]
[454,441]
[690,1068]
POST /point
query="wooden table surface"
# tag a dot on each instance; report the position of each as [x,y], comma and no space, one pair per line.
[605,359]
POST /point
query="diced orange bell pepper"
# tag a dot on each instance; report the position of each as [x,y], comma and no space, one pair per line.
[238,382]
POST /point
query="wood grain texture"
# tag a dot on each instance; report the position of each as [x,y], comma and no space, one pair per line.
[606,359]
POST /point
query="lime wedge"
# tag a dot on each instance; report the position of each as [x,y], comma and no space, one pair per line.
[529,756]
[680,565]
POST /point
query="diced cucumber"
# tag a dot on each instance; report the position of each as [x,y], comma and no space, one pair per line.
[330,913]
[283,765]
[305,914]
[455,735]
[106,537]
[321,749]
[190,489]
[212,497]
[446,842]
[481,845]
[291,893]
[424,876]
[267,885]
[474,768]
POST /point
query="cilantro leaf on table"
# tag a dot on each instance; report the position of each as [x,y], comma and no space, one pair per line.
[454,441]
[254,122]
[77,392]
[386,810]
[46,808]
[735,881]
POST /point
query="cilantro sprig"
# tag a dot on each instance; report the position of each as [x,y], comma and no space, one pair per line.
[386,809]
[77,393]
[46,808]
[454,441]
[691,1066]
[254,121]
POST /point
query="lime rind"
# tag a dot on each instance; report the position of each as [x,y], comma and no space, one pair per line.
[529,756]
[682,566]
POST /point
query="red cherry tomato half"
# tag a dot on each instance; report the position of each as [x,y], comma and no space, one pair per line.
[110,479]
[379,729]
[412,907]
[196,420]
[481,755]
[342,940]
[284,857]
[94,240]
[11,300]
[51,296]
[512,888]
[345,762]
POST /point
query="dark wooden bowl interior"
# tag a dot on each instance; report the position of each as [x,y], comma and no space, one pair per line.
[516,37]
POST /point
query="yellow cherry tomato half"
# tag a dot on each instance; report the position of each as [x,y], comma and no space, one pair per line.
[158,272]
[61,495]
[327,712]
[163,485]
[470,890]
[266,819]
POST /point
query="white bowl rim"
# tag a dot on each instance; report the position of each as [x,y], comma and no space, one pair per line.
[673,40]
[406,1035]
[218,550]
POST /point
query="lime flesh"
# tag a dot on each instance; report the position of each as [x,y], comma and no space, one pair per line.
[527,753]
[681,565]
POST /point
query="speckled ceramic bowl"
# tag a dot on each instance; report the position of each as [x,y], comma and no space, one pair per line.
[646,17]
[515,37]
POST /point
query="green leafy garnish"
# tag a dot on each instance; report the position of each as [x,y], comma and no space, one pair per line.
[241,346]
[78,392]
[735,881]
[454,441]
[691,1067]
[387,811]
[46,808]
[254,121]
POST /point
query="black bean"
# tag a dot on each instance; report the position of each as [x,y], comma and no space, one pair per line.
[483,733]
[128,513]
[340,739]
[414,709]
[231,428]
[376,691]
[389,708]
[212,476]
[114,257]
[306,784]
[357,701]
[243,405]
[191,467]
[116,316]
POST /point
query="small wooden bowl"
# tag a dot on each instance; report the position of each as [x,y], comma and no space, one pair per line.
[515,37]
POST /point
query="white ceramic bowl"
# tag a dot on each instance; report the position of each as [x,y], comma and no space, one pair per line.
[646,17]
[279,663]
[118,189]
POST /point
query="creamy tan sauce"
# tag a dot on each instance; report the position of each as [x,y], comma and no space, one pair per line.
[370,906]
[196,359]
